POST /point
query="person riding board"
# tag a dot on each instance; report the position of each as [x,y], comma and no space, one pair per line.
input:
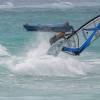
[60,35]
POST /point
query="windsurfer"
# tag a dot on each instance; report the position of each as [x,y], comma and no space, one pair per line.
[60,35]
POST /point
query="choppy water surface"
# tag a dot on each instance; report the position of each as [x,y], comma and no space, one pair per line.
[27,72]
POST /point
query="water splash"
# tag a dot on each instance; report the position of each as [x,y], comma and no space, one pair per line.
[36,62]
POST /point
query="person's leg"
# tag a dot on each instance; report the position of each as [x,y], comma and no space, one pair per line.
[53,39]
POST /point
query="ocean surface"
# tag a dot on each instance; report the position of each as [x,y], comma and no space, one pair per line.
[26,71]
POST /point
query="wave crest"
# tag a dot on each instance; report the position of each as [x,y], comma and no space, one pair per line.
[7,5]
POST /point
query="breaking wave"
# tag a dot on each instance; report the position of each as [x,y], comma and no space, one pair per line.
[56,5]
[62,4]
[7,5]
[37,63]
[53,5]
[87,4]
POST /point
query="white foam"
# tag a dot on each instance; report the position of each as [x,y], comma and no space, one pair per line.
[7,5]
[55,5]
[37,62]
[88,4]
[94,61]
[60,5]
[3,51]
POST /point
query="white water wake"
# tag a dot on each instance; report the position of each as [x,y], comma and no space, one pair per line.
[36,62]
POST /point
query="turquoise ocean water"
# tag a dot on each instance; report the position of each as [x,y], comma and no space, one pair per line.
[27,73]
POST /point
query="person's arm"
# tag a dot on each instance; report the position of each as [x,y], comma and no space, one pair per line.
[60,35]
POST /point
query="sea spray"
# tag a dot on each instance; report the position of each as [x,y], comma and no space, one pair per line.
[36,62]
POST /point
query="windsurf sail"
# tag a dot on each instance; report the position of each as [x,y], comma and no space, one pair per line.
[83,37]
[76,42]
